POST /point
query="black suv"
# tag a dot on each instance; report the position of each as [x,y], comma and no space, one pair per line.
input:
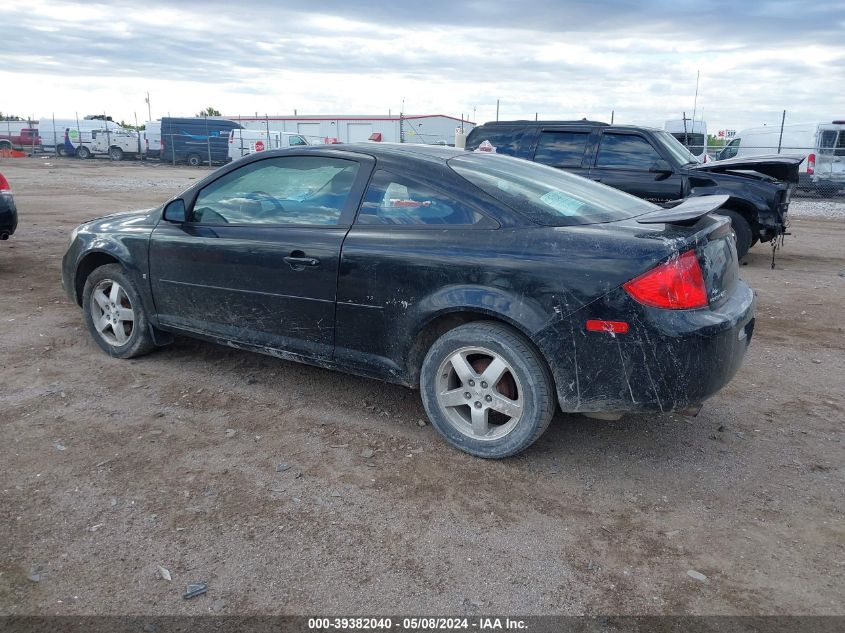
[652,164]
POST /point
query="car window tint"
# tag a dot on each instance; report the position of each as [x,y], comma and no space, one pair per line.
[506,140]
[393,199]
[626,151]
[296,140]
[561,149]
[288,190]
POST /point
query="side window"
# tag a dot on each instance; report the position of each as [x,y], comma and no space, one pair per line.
[626,151]
[730,149]
[393,199]
[289,190]
[561,149]
[296,140]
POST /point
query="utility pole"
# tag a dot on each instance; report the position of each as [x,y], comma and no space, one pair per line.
[497,109]
[149,109]
[782,121]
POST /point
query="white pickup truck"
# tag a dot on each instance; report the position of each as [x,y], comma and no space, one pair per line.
[116,144]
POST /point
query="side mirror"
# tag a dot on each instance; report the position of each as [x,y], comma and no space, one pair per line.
[175,211]
[660,166]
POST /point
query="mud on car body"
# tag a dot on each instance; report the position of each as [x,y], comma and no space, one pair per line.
[500,288]
[652,164]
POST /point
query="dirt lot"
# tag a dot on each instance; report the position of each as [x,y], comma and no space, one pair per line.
[112,468]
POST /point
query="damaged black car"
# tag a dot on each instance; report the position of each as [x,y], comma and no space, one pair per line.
[500,288]
[652,164]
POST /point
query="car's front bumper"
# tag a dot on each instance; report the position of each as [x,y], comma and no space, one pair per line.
[8,215]
[669,360]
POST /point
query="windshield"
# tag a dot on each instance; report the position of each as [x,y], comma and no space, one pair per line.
[695,142]
[546,195]
[679,153]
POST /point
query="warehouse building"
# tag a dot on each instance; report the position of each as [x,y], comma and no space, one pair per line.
[429,128]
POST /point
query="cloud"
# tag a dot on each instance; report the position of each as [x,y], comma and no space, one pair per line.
[561,59]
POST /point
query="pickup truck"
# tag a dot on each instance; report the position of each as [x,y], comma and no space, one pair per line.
[651,164]
[26,139]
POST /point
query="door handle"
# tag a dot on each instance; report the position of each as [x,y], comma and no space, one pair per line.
[299,263]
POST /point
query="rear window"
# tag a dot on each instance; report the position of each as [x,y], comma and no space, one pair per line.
[505,139]
[546,195]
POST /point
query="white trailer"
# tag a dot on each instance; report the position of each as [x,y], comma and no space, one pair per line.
[243,142]
[435,129]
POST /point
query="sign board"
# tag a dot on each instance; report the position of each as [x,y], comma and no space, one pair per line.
[259,146]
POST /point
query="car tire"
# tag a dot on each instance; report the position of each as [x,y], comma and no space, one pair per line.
[60,150]
[115,153]
[114,314]
[194,160]
[5,145]
[742,230]
[83,152]
[503,414]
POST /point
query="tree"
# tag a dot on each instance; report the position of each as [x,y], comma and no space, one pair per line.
[715,141]
[209,111]
[9,117]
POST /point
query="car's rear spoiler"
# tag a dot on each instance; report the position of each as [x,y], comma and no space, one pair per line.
[690,209]
[779,166]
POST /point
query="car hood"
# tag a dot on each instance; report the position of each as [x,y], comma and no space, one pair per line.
[139,217]
[779,166]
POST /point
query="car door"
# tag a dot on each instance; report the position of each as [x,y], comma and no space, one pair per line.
[627,160]
[256,261]
[564,149]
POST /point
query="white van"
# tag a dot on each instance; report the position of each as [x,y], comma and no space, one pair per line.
[691,134]
[65,135]
[151,139]
[243,142]
[116,144]
[821,144]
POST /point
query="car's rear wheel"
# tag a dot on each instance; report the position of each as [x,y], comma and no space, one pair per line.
[742,230]
[83,152]
[5,145]
[487,390]
[194,160]
[115,153]
[114,314]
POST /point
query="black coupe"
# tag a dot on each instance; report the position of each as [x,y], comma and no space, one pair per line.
[500,287]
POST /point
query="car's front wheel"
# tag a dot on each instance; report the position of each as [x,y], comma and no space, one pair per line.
[114,314]
[487,390]
[194,160]
[83,152]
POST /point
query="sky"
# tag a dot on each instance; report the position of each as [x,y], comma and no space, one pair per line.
[559,59]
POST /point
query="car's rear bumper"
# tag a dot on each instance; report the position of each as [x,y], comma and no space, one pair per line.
[669,360]
[8,215]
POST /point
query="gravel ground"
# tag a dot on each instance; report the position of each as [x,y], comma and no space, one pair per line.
[292,489]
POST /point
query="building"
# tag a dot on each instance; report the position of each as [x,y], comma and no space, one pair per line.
[430,128]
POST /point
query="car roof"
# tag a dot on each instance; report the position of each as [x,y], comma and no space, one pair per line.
[414,151]
[577,122]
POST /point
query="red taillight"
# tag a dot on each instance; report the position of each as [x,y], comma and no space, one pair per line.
[811,164]
[611,327]
[677,285]
[4,184]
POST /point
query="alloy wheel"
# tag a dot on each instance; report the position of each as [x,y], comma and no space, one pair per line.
[479,393]
[112,313]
